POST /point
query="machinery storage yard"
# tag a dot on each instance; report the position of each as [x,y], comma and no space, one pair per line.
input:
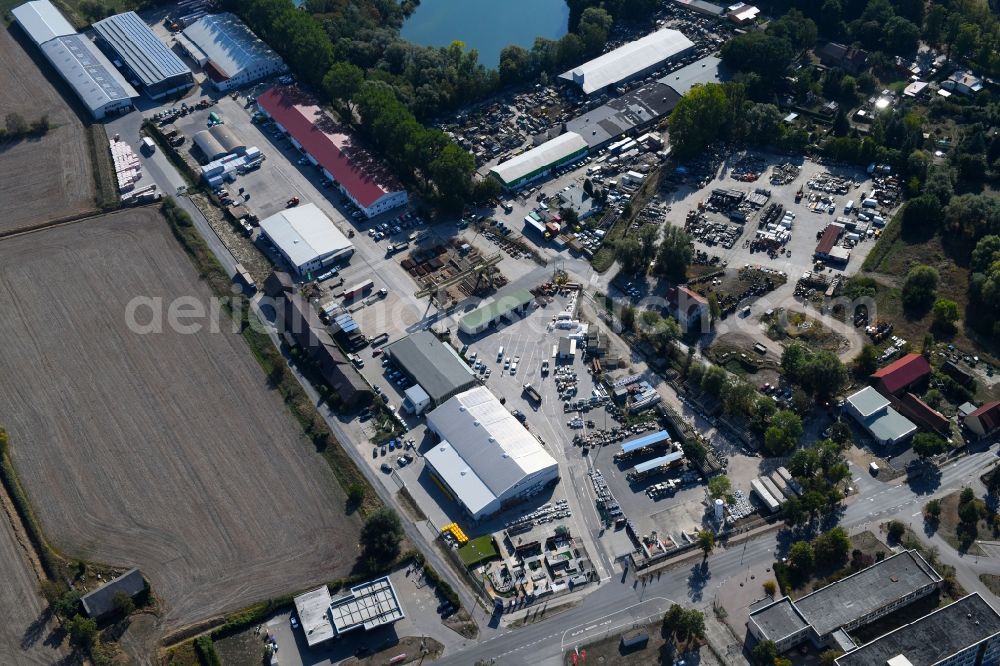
[161,450]
[48,177]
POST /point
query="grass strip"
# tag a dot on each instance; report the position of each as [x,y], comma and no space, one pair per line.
[48,557]
[105,185]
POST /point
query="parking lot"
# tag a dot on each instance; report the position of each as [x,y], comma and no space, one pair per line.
[420,605]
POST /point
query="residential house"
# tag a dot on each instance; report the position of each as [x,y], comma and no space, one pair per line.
[985,421]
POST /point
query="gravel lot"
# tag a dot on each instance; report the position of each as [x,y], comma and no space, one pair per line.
[47,178]
[23,639]
[162,451]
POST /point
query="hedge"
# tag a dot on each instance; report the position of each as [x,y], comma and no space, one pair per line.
[48,557]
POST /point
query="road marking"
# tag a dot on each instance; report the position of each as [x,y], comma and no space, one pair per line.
[916,514]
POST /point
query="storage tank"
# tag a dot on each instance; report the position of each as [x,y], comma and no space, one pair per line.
[719,510]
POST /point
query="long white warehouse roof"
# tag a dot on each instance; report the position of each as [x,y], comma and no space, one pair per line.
[485,450]
[42,21]
[93,77]
[305,233]
[550,152]
[626,61]
[228,43]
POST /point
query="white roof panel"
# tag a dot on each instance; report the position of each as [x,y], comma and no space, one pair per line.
[304,234]
[42,21]
[628,60]
[228,43]
[489,439]
[84,67]
[550,152]
[460,477]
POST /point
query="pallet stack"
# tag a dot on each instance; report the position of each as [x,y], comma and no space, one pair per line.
[127,167]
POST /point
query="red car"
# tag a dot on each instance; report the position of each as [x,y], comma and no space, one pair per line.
[377,351]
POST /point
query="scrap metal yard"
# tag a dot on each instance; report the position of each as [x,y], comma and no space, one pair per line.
[47,177]
[162,450]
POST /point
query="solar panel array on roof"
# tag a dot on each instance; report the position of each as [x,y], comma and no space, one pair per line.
[142,52]
[85,68]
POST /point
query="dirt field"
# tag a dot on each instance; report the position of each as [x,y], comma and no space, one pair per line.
[163,451]
[24,633]
[47,178]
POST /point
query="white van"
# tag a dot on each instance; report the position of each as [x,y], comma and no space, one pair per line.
[873,468]
[500,354]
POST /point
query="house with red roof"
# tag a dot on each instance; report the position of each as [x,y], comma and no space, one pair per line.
[921,413]
[360,176]
[902,374]
[985,421]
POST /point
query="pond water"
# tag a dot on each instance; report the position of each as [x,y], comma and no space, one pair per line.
[486,26]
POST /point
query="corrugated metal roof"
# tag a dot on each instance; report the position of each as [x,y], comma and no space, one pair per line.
[42,21]
[305,234]
[628,60]
[901,373]
[140,49]
[433,364]
[354,168]
[502,305]
[658,462]
[647,440]
[539,157]
[229,44]
[489,439]
[88,71]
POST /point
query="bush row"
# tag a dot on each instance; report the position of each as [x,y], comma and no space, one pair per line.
[8,475]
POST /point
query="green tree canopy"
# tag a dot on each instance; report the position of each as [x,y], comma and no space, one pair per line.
[699,118]
[381,535]
[919,287]
[674,254]
[783,434]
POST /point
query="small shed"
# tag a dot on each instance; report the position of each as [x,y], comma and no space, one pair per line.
[635,641]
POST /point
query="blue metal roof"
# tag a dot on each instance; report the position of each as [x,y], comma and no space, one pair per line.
[646,440]
[658,462]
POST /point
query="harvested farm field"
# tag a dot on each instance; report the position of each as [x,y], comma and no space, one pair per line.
[44,178]
[164,451]
[25,633]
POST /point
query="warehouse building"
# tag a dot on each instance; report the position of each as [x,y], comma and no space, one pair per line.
[966,632]
[486,458]
[145,59]
[101,602]
[432,364]
[540,160]
[218,141]
[360,176]
[825,616]
[874,412]
[231,55]
[639,109]
[96,82]
[366,606]
[306,238]
[513,303]
[631,61]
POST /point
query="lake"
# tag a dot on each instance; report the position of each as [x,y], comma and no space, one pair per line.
[486,26]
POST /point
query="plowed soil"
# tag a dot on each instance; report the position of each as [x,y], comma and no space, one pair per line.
[166,451]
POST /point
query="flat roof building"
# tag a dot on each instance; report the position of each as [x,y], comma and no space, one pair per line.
[366,606]
[824,616]
[540,160]
[965,632]
[873,411]
[306,238]
[96,82]
[630,61]
[369,605]
[433,364]
[231,55]
[360,176]
[490,314]
[486,457]
[146,59]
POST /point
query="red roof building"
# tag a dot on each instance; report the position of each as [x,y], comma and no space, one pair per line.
[921,413]
[903,373]
[362,178]
[828,240]
[986,420]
